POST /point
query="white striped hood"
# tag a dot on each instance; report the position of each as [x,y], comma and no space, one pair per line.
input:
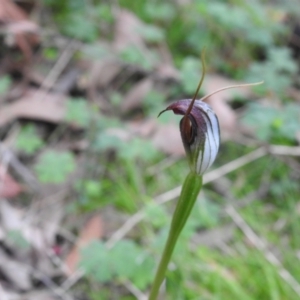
[200,133]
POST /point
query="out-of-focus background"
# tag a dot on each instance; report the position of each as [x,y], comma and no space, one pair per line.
[89,175]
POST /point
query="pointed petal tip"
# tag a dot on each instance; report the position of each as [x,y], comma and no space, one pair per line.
[163,111]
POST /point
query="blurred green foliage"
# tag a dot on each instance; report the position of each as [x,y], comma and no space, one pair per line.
[125,261]
[28,141]
[244,40]
[5,83]
[78,112]
[274,125]
[54,166]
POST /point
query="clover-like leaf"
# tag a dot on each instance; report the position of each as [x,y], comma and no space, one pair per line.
[54,166]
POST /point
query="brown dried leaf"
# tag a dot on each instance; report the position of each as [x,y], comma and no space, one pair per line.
[18,26]
[36,105]
[9,12]
[22,27]
[9,188]
[93,230]
[72,261]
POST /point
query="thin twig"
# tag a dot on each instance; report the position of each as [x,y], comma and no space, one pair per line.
[67,284]
[59,66]
[20,169]
[135,291]
[57,290]
[126,227]
[235,164]
[284,150]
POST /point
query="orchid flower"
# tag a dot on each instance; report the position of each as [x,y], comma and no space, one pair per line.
[200,134]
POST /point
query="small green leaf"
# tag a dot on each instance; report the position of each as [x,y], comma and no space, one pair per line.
[77,112]
[78,26]
[96,262]
[50,53]
[276,71]
[132,262]
[92,188]
[143,274]
[54,166]
[124,256]
[5,83]
[28,141]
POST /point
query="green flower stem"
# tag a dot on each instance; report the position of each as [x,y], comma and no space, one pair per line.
[190,190]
